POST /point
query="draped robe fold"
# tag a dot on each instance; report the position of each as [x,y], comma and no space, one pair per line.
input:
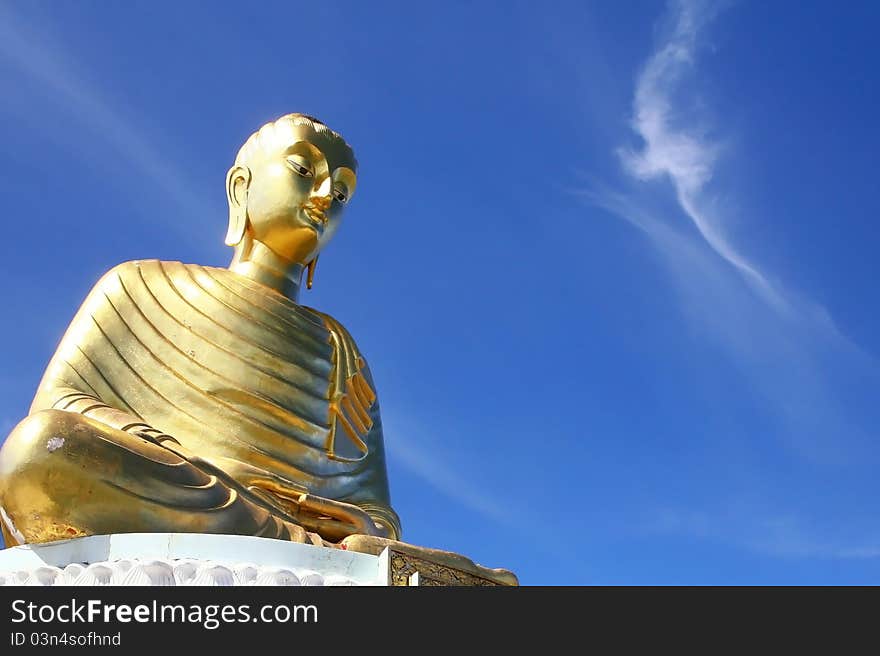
[257,385]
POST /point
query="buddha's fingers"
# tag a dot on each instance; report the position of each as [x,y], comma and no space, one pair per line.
[331,529]
[355,518]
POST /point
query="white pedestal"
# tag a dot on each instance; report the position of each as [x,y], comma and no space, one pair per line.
[187,559]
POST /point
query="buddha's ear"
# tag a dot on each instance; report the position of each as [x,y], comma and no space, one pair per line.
[238,179]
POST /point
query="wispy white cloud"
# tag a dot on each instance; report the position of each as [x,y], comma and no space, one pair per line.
[675,150]
[780,536]
[33,54]
[425,458]
[816,383]
[810,373]
[411,444]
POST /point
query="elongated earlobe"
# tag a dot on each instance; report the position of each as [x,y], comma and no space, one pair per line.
[238,180]
[311,276]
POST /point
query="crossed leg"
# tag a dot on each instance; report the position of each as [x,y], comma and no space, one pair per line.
[65,475]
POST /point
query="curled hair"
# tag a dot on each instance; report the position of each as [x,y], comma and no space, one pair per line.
[281,132]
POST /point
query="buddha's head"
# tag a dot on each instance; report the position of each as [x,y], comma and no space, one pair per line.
[288,187]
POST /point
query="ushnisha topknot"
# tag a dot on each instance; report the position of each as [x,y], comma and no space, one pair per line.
[281,131]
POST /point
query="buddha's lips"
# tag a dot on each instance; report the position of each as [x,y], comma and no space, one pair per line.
[316,216]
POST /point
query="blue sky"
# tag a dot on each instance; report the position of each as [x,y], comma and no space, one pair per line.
[613,265]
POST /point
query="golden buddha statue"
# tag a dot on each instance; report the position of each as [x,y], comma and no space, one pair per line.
[187,398]
[195,399]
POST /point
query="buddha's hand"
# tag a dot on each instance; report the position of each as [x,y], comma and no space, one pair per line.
[335,520]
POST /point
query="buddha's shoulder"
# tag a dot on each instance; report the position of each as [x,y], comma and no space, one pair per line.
[332,324]
[335,327]
[156,273]
[154,268]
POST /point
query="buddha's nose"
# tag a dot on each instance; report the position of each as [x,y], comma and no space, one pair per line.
[320,202]
[320,197]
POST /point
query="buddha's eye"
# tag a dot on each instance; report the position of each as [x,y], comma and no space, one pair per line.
[300,165]
[340,194]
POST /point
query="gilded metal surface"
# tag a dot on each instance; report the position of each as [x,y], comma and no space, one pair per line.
[413,565]
[197,399]
[408,570]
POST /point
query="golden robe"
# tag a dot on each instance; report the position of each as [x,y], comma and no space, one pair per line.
[272,393]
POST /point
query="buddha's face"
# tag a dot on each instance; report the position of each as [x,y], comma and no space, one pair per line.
[296,191]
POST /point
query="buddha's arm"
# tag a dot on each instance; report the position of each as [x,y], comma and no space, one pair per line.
[73,400]
[63,386]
